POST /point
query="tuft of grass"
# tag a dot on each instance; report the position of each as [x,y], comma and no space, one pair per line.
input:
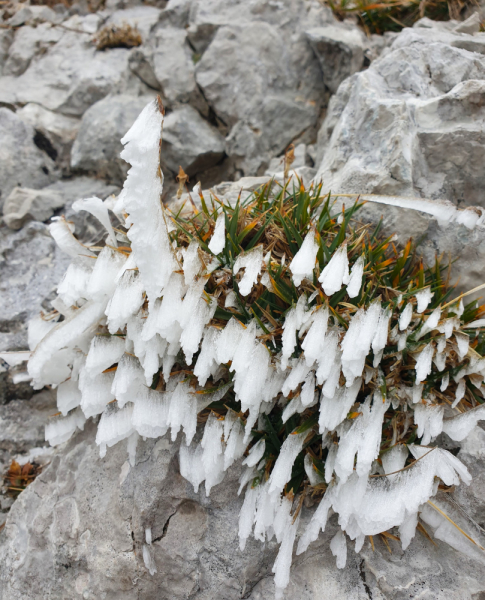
[379,16]
[278,218]
[117,36]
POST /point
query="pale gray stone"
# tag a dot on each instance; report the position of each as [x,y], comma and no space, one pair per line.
[268,91]
[412,123]
[24,204]
[79,529]
[58,130]
[30,268]
[340,51]
[189,141]
[22,163]
[97,147]
[70,76]
[173,67]
[6,39]
[142,17]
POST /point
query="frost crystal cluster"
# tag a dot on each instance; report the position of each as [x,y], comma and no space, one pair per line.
[311,349]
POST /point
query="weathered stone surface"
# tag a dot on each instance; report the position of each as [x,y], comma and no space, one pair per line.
[28,42]
[25,204]
[33,15]
[141,17]
[97,146]
[57,132]
[340,51]
[6,38]
[249,75]
[79,530]
[21,161]
[167,64]
[412,124]
[70,76]
[189,141]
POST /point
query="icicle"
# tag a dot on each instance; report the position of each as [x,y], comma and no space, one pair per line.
[62,234]
[218,240]
[338,547]
[336,272]
[405,317]
[423,363]
[355,281]
[140,198]
[303,262]
[252,261]
[61,429]
[281,473]
[424,298]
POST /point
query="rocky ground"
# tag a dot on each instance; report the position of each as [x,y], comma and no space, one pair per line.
[241,79]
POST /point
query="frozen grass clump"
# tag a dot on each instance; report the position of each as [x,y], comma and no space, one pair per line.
[304,342]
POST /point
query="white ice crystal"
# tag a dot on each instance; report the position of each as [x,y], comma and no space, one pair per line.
[424,298]
[336,272]
[303,262]
[252,262]
[218,239]
[355,281]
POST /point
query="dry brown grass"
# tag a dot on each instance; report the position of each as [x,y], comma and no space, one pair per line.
[118,36]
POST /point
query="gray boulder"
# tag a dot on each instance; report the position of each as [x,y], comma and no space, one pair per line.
[22,163]
[6,38]
[57,131]
[28,42]
[79,529]
[266,91]
[189,141]
[412,124]
[142,17]
[167,64]
[24,204]
[340,51]
[97,147]
[71,74]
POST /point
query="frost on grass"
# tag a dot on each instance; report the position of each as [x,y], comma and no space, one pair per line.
[308,347]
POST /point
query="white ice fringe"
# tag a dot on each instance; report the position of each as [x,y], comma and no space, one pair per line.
[303,262]
[336,272]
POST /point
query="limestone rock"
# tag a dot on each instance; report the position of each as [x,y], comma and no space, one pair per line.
[24,204]
[267,91]
[79,529]
[6,38]
[412,124]
[142,17]
[33,15]
[22,163]
[70,76]
[189,141]
[57,132]
[97,146]
[340,51]
[173,67]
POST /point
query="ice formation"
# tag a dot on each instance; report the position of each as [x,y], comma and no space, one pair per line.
[128,314]
[303,263]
